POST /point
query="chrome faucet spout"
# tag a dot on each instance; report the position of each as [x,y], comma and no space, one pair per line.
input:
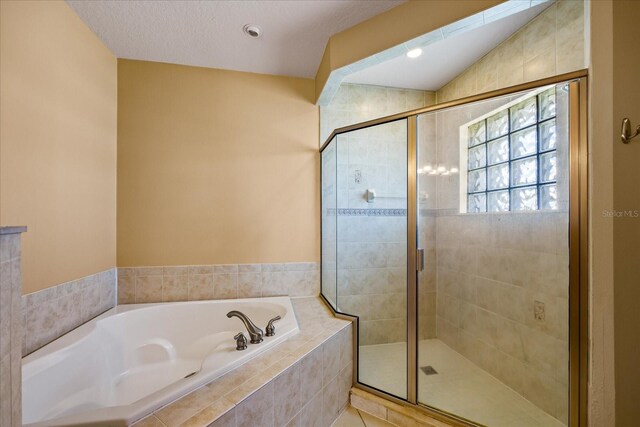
[255,333]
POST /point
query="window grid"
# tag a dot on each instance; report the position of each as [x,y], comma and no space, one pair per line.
[539,151]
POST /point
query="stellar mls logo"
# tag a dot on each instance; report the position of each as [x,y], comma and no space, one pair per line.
[621,214]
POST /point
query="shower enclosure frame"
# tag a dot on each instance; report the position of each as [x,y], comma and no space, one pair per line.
[578,244]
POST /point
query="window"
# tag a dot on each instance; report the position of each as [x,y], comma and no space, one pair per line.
[511,157]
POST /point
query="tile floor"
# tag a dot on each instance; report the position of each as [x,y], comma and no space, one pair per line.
[459,387]
[351,417]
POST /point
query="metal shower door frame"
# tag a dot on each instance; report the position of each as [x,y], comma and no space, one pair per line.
[578,245]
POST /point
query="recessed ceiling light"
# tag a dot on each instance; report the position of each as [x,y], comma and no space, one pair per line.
[414,53]
[252,30]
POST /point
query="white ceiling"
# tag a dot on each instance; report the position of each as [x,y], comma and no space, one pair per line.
[209,33]
[441,61]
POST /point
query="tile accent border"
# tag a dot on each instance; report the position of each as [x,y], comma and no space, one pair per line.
[304,381]
[226,281]
[10,327]
[50,313]
[366,212]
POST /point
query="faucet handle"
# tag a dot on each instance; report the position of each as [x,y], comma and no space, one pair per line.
[241,341]
[271,330]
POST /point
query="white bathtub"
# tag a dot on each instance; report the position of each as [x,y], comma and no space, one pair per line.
[133,359]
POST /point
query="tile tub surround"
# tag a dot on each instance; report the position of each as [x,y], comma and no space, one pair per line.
[302,382]
[224,281]
[50,313]
[10,327]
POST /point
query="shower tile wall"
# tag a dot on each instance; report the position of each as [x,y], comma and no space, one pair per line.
[495,272]
[488,277]
[371,247]
[371,244]
[551,44]
[355,103]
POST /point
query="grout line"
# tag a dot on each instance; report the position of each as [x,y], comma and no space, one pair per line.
[360,415]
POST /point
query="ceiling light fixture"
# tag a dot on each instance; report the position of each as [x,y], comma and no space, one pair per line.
[252,30]
[414,53]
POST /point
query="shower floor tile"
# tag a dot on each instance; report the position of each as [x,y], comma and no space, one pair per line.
[459,387]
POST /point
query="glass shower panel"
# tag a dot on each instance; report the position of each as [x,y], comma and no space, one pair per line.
[372,249]
[493,295]
[329,202]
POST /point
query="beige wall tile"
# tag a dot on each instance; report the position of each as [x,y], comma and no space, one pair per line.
[59,309]
[227,420]
[225,286]
[186,407]
[148,288]
[212,414]
[541,66]
[175,271]
[249,285]
[5,390]
[258,409]
[200,287]
[287,398]
[311,381]
[345,337]
[312,413]
[540,35]
[175,288]
[345,382]
[201,269]
[331,402]
[330,359]
[552,43]
[126,289]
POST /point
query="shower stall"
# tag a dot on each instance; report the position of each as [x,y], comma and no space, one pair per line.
[456,234]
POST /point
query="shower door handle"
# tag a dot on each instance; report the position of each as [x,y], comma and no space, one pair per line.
[420,259]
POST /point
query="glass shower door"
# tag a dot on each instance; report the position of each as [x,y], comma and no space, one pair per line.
[371,255]
[493,193]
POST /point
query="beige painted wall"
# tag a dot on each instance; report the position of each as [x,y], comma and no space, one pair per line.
[215,167]
[626,199]
[57,142]
[601,408]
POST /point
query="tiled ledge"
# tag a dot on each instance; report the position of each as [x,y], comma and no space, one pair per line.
[391,412]
[302,382]
[226,281]
[12,230]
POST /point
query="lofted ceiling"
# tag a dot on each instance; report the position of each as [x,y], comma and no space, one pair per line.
[210,34]
[443,60]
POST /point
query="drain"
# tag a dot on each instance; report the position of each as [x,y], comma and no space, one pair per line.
[428,370]
[191,374]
